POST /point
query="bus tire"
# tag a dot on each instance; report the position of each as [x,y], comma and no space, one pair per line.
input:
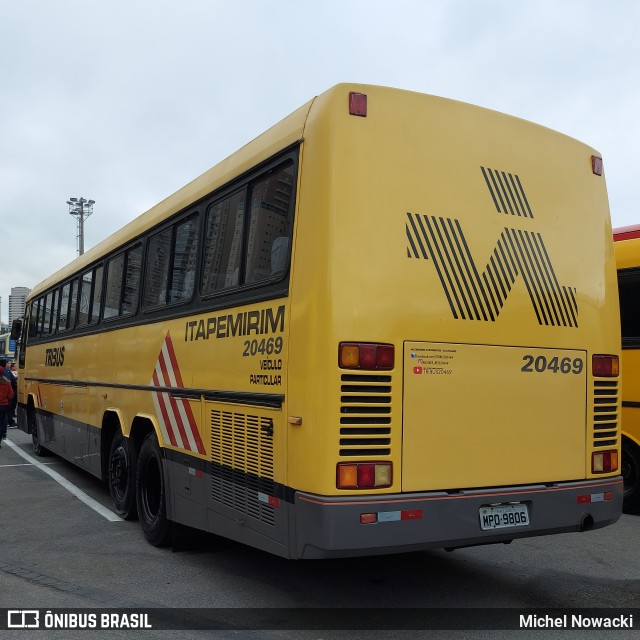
[631,476]
[122,477]
[151,494]
[38,449]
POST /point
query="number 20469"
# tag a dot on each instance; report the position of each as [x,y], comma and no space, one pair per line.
[540,364]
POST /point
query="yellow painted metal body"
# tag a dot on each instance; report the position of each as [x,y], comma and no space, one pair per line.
[356,275]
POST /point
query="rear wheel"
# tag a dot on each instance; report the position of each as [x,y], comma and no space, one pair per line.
[38,449]
[122,478]
[631,476]
[151,494]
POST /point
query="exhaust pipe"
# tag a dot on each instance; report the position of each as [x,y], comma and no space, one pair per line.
[587,522]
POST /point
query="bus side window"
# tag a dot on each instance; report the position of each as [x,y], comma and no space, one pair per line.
[54,310]
[46,316]
[96,294]
[85,298]
[33,319]
[132,281]
[270,221]
[157,271]
[123,283]
[113,293]
[183,274]
[64,307]
[629,288]
[223,243]
[73,304]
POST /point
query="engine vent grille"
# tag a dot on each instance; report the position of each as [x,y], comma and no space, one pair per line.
[365,415]
[242,448]
[605,413]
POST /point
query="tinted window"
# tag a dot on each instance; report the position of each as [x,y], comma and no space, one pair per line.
[171,264]
[123,283]
[132,280]
[54,311]
[73,306]
[113,292]
[64,306]
[629,287]
[46,316]
[158,254]
[33,319]
[85,298]
[269,228]
[223,243]
[183,274]
[96,295]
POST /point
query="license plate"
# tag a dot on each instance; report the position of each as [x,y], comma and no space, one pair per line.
[503,516]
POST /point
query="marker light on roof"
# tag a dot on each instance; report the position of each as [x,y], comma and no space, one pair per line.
[358,104]
[596,165]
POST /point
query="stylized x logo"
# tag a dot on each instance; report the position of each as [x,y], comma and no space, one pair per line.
[475,295]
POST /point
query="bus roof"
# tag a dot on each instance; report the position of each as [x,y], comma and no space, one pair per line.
[626,233]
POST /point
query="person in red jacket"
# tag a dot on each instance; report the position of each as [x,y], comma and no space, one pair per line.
[6,396]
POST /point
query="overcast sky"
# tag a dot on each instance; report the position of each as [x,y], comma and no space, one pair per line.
[125,101]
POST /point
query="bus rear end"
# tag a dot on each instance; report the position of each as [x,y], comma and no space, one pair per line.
[455,339]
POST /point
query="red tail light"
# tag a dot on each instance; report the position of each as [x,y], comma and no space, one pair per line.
[605,366]
[366,355]
[363,475]
[604,461]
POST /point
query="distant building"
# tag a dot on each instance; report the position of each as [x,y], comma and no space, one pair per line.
[17,299]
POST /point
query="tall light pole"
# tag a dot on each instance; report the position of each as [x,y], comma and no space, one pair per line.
[82,209]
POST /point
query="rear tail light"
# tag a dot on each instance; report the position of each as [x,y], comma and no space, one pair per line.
[366,355]
[363,475]
[605,366]
[604,461]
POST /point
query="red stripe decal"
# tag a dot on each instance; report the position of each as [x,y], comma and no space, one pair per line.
[175,410]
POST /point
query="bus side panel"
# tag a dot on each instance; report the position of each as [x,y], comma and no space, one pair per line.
[627,249]
[631,394]
[72,440]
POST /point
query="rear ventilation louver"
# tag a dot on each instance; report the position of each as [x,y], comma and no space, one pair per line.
[242,453]
[605,413]
[365,415]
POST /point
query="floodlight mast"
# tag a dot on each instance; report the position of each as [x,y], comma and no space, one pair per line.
[81,209]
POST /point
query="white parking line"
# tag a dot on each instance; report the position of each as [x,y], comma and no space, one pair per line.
[71,488]
[24,464]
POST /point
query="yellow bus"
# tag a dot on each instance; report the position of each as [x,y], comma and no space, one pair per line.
[627,250]
[388,323]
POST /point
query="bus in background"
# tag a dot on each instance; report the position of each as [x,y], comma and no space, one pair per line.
[627,248]
[7,347]
[388,323]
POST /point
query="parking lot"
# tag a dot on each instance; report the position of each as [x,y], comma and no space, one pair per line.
[62,548]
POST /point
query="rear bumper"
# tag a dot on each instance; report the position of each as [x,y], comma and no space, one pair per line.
[331,527]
